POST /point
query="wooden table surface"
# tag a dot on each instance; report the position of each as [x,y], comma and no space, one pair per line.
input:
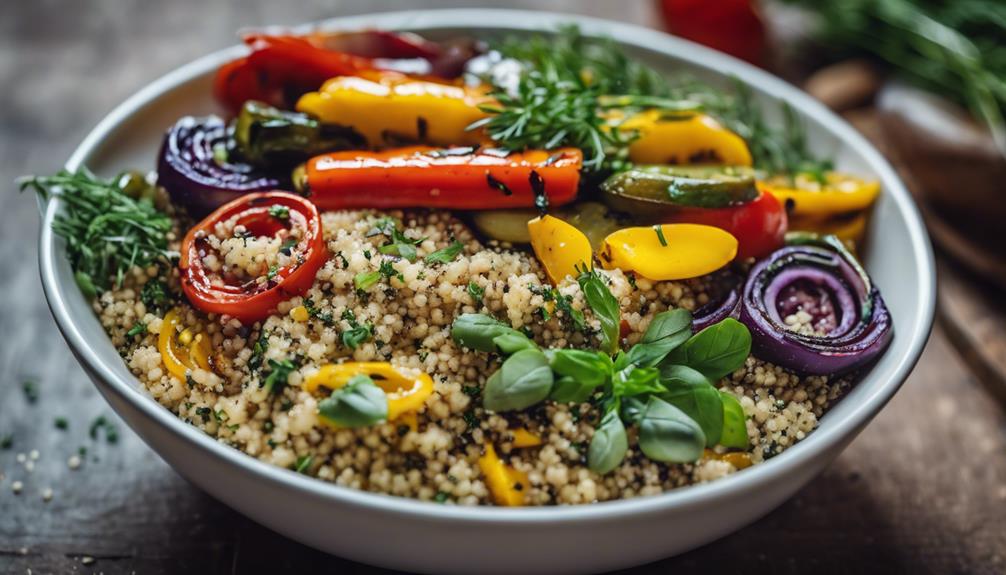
[922,490]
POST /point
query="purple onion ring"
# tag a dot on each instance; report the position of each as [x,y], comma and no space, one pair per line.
[861,329]
[197,175]
[720,308]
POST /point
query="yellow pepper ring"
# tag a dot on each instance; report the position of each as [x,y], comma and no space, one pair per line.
[180,358]
[839,194]
[405,394]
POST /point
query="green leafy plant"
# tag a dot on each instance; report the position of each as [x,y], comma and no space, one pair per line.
[106,230]
[569,87]
[359,403]
[663,384]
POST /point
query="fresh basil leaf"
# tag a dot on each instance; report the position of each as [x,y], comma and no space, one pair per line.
[667,330]
[667,434]
[605,308]
[634,380]
[512,342]
[735,430]
[716,351]
[478,331]
[445,255]
[691,392]
[568,389]
[609,444]
[632,410]
[591,367]
[359,403]
[523,380]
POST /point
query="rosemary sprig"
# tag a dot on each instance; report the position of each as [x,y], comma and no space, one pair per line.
[571,86]
[106,231]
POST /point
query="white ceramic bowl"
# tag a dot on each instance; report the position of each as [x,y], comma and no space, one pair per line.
[408,534]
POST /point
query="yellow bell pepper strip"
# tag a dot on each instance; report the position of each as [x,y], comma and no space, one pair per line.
[507,486]
[560,247]
[524,438]
[182,352]
[388,108]
[668,251]
[405,393]
[848,228]
[839,194]
[697,139]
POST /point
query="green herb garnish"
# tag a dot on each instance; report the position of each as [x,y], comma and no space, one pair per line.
[139,328]
[359,403]
[445,255]
[30,389]
[279,212]
[106,231]
[279,372]
[357,334]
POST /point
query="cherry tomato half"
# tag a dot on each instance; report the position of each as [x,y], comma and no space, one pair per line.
[269,214]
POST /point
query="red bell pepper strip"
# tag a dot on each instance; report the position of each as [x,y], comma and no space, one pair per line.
[759,225]
[281,68]
[273,214]
[464,178]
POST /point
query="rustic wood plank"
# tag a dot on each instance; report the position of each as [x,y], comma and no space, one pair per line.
[921,491]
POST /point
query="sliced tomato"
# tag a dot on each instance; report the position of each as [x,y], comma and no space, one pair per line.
[759,225]
[252,301]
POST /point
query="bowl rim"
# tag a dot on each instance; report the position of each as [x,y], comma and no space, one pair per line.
[529,21]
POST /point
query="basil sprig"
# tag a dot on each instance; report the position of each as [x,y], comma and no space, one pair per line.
[359,403]
[664,384]
[524,380]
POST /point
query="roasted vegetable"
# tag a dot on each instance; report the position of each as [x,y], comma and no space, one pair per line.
[673,139]
[280,68]
[507,486]
[561,248]
[182,351]
[272,214]
[268,136]
[593,219]
[848,323]
[405,393]
[668,251]
[197,169]
[464,178]
[390,109]
[806,196]
[648,190]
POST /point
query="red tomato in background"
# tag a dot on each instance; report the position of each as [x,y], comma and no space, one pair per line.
[731,26]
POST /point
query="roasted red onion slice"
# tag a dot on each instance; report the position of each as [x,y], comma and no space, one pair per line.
[196,169]
[849,322]
[725,303]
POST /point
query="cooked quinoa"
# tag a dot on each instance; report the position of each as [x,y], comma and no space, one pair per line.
[409,311]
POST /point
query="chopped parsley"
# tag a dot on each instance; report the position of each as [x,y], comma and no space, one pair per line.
[279,212]
[30,389]
[441,497]
[476,292]
[139,328]
[366,280]
[446,255]
[204,412]
[101,423]
[286,248]
[154,294]
[388,271]
[313,311]
[279,371]
[397,244]
[303,462]
[273,270]
[258,351]
[357,334]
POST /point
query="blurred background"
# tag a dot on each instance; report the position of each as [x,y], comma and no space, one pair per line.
[923,490]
